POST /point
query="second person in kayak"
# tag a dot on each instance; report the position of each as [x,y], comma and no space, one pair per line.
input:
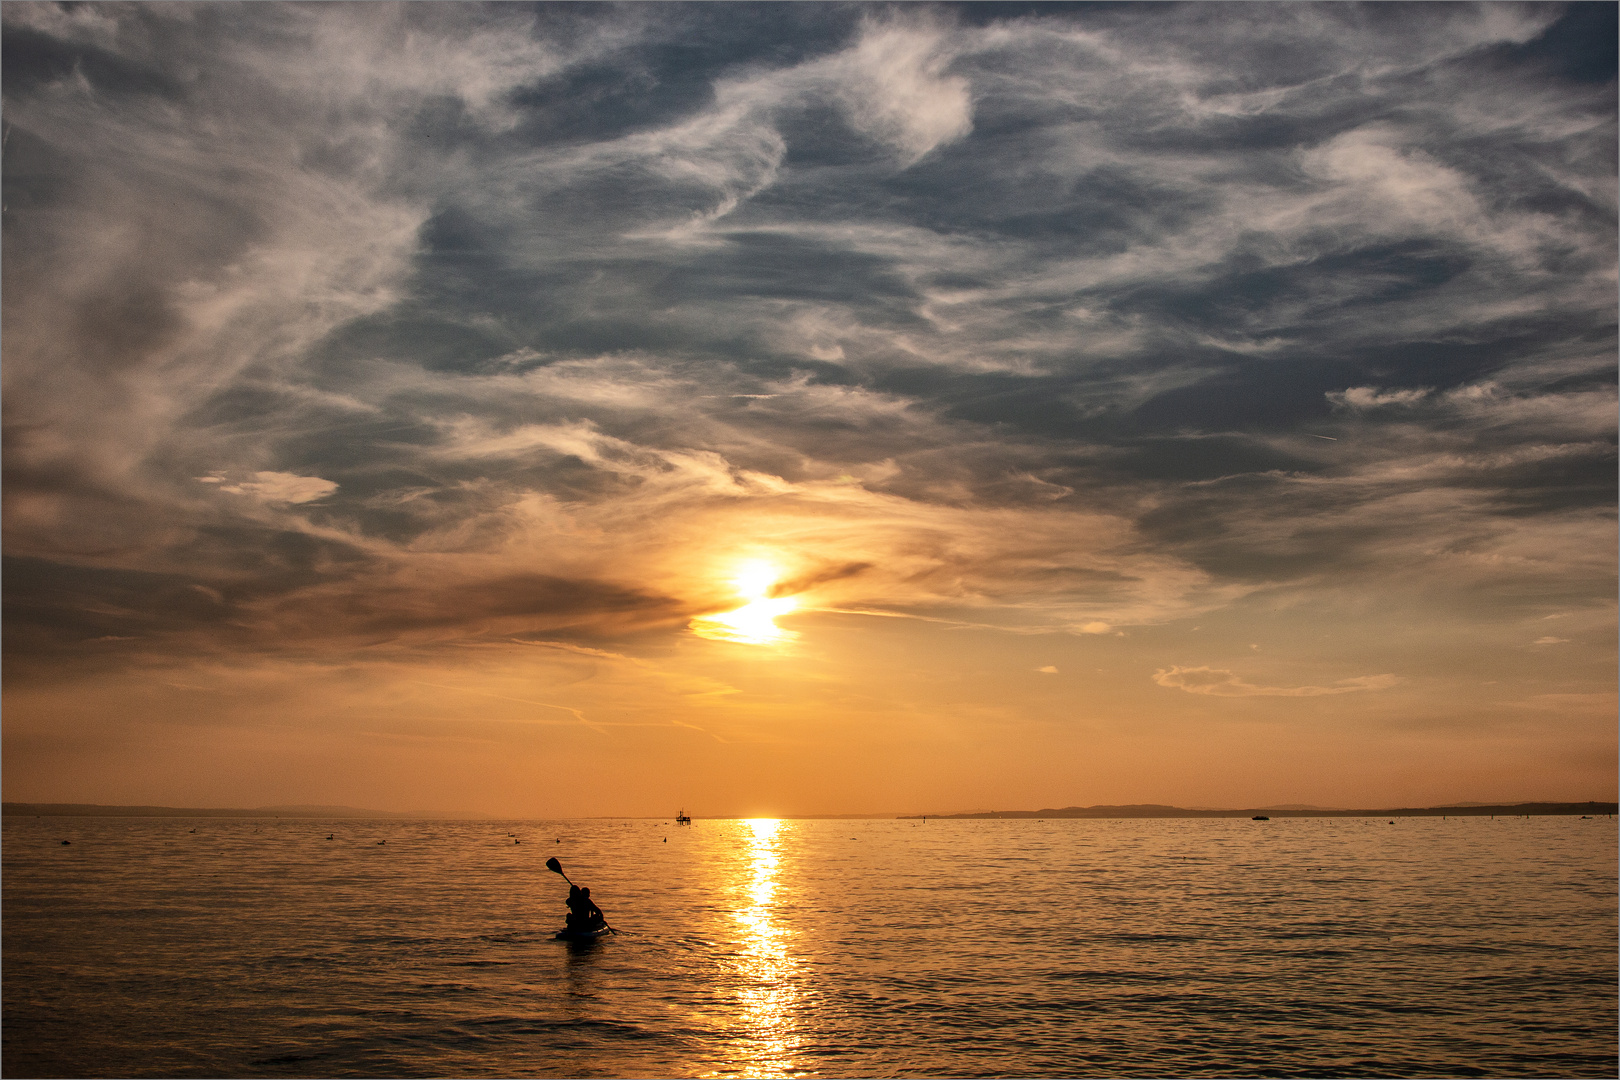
[583,914]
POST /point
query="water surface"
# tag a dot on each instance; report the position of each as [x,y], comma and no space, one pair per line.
[1295,947]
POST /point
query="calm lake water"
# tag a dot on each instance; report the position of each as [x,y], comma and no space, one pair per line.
[1345,947]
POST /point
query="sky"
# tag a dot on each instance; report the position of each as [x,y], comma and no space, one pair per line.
[809,408]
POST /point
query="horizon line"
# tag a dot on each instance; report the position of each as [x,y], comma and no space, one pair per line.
[1100,810]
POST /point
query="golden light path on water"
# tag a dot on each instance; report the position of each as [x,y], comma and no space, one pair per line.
[755,622]
[767,991]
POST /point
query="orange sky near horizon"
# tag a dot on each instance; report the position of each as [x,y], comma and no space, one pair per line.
[837,713]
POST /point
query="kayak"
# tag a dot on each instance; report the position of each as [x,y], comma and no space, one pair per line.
[582,935]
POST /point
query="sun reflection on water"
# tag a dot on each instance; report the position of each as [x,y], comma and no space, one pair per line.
[767,990]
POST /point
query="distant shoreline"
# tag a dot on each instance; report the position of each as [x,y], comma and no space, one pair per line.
[1134,811]
[1150,810]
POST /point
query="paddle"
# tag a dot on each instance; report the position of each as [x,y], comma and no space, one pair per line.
[556,868]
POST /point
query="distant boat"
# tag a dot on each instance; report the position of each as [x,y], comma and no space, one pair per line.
[1259,817]
[681,818]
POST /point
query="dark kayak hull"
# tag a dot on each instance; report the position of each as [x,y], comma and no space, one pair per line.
[582,935]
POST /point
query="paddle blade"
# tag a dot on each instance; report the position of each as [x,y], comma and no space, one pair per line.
[554,866]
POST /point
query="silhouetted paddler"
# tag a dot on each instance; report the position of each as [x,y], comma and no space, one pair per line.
[583,914]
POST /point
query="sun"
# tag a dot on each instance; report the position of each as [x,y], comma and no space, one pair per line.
[755,622]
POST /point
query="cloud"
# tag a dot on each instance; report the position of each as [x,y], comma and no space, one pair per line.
[1219,682]
[1022,316]
[581,650]
[276,487]
[894,87]
[1370,397]
[810,579]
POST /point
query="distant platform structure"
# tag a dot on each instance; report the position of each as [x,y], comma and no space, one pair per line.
[682,818]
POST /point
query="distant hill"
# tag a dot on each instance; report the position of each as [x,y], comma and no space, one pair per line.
[1155,810]
[20,809]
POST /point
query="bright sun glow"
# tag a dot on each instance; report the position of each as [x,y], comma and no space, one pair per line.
[754,580]
[755,622]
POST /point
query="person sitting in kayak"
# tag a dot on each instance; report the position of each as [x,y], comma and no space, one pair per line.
[583,914]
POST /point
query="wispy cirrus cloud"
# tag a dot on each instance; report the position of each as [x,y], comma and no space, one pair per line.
[1219,682]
